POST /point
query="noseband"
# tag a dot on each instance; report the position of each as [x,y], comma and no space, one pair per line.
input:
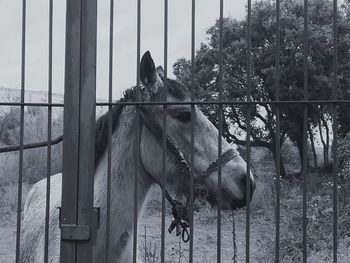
[180,211]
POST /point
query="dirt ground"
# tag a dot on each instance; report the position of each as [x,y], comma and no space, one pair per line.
[205,238]
[262,235]
[205,234]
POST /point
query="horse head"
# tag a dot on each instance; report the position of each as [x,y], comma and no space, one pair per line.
[179,121]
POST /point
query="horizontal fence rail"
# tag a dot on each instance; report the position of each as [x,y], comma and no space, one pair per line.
[228,102]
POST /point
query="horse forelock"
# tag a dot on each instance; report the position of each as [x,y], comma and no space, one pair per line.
[175,89]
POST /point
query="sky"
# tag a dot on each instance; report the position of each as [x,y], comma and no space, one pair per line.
[124,60]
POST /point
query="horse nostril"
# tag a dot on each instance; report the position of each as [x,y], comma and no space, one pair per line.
[244,185]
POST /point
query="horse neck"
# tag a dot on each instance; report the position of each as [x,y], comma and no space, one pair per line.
[122,180]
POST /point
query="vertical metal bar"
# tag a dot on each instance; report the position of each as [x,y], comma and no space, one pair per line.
[87,127]
[278,132]
[20,166]
[109,149]
[164,129]
[248,134]
[71,127]
[305,136]
[79,127]
[335,131]
[49,118]
[218,240]
[137,146]
[193,45]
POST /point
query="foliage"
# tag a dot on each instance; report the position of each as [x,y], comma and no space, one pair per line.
[263,41]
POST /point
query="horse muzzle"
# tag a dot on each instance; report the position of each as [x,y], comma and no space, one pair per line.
[232,197]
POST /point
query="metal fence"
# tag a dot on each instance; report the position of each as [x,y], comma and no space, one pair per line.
[78,214]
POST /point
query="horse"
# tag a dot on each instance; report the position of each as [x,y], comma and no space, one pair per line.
[123,165]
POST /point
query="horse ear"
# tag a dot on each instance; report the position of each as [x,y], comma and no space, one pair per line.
[148,73]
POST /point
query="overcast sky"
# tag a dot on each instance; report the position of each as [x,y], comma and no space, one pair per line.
[124,74]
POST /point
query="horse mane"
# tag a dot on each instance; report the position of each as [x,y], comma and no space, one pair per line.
[174,87]
[101,129]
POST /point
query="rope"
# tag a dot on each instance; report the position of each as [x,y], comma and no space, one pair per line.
[180,220]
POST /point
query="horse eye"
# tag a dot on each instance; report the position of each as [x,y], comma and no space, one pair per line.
[184,116]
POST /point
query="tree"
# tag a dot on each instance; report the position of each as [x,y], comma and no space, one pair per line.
[263,37]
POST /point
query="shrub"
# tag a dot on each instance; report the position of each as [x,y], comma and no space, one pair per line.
[35,130]
[344,185]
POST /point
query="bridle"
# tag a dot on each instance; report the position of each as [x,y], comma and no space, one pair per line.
[181,219]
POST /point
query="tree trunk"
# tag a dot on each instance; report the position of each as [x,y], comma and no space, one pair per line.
[282,167]
[325,160]
[326,150]
[299,143]
[313,148]
[322,122]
